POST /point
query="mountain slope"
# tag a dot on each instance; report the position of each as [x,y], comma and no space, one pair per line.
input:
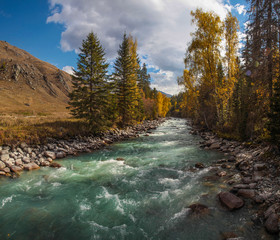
[29,85]
[166,94]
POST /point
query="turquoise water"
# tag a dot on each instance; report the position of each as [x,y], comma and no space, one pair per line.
[145,196]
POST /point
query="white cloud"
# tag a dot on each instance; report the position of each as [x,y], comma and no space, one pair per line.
[241,9]
[162,28]
[68,69]
[166,81]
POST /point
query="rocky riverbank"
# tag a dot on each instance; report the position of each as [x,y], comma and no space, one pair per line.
[16,158]
[253,174]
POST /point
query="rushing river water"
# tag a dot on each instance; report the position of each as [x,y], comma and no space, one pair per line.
[145,196]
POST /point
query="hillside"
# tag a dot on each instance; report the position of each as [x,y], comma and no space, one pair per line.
[30,86]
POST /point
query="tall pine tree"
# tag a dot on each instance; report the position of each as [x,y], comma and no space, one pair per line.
[126,85]
[89,98]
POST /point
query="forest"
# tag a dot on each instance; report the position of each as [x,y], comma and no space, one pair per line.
[123,97]
[231,89]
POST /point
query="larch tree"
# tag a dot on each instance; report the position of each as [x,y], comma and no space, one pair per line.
[202,58]
[89,98]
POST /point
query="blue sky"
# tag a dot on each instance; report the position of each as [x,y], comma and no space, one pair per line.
[53,30]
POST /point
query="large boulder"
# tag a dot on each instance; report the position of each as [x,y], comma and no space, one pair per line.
[271,224]
[231,201]
[30,166]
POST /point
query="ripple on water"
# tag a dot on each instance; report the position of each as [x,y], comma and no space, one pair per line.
[143,197]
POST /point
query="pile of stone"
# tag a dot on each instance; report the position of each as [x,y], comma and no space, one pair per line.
[254,174]
[14,159]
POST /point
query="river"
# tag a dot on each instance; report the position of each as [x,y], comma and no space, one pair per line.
[143,196]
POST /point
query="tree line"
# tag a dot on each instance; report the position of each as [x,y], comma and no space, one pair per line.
[235,95]
[121,98]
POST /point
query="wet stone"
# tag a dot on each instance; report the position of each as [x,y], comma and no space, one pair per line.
[231,201]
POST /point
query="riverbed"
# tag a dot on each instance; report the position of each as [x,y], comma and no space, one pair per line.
[135,189]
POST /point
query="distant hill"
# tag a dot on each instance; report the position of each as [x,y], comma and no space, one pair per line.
[166,94]
[29,85]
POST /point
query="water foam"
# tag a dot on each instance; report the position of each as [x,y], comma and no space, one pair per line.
[113,197]
[6,200]
[169,182]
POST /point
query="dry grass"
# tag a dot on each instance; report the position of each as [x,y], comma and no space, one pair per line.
[37,129]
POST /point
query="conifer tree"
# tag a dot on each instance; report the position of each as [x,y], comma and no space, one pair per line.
[89,98]
[139,110]
[144,82]
[125,83]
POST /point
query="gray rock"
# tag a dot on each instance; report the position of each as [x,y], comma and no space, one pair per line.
[271,224]
[2,165]
[222,173]
[259,167]
[30,166]
[18,162]
[199,209]
[3,152]
[60,155]
[10,162]
[258,176]
[4,157]
[50,154]
[231,201]
[215,145]
[199,165]
[26,159]
[242,186]
[246,193]
[272,209]
[15,168]
[23,145]
[6,170]
[20,151]
[45,163]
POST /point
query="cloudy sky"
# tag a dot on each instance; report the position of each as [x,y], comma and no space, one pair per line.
[53,30]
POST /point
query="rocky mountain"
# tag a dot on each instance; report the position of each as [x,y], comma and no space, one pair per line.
[166,94]
[29,85]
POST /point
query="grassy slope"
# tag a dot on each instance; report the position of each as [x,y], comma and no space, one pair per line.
[33,106]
